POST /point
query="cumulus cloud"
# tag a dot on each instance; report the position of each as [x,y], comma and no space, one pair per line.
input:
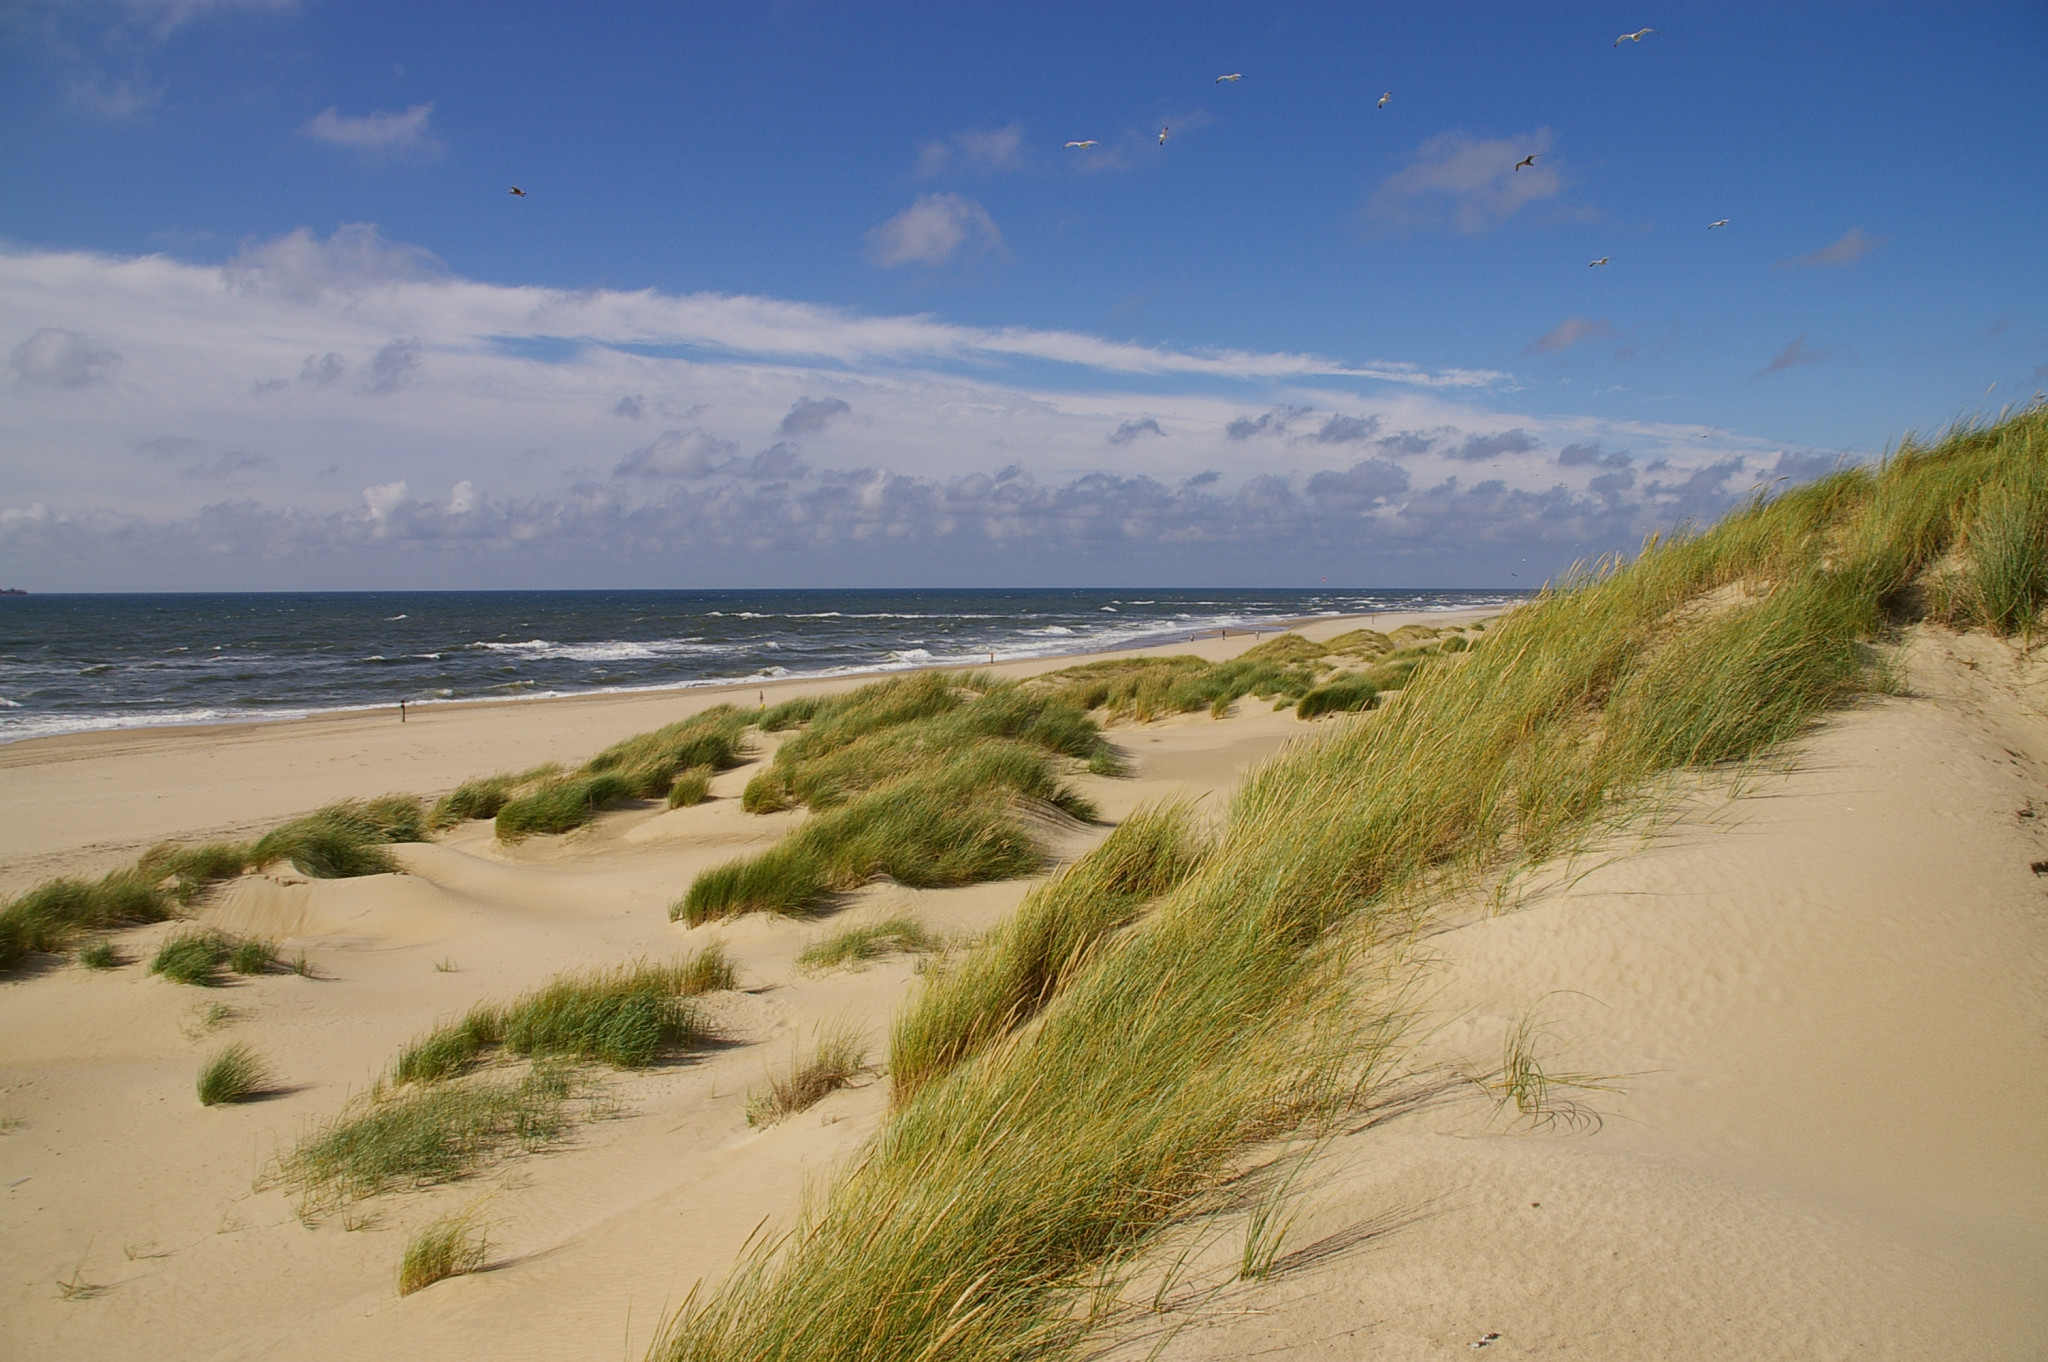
[934,230]
[809,415]
[1568,333]
[1588,453]
[1274,422]
[1131,430]
[986,150]
[354,259]
[1339,429]
[321,370]
[57,358]
[1465,182]
[1844,251]
[377,134]
[1796,353]
[631,408]
[1476,447]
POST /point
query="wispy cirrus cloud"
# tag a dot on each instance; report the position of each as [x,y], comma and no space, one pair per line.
[1568,333]
[390,134]
[1466,183]
[1840,253]
[1797,353]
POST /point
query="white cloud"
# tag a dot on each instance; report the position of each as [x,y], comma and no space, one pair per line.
[1466,182]
[985,150]
[1796,353]
[378,134]
[58,358]
[311,370]
[934,230]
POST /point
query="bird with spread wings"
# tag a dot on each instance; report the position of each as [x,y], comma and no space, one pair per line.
[1634,37]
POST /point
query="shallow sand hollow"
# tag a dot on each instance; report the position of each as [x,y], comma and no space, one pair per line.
[1818,1013]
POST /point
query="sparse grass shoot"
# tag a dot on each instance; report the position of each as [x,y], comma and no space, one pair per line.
[448,1247]
[837,1058]
[100,954]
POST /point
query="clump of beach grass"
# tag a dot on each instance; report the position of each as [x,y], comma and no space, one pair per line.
[862,942]
[1342,695]
[49,916]
[193,957]
[690,789]
[345,839]
[483,796]
[431,1133]
[253,955]
[627,1017]
[644,766]
[1003,1196]
[923,779]
[451,1246]
[99,954]
[232,1073]
[1026,960]
[834,1061]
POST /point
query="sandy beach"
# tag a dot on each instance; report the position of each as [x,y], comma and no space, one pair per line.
[1808,1014]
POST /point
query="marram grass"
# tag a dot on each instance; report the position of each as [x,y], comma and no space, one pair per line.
[1004,1194]
[448,1247]
[232,1073]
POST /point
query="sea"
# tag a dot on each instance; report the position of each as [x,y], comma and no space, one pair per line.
[78,663]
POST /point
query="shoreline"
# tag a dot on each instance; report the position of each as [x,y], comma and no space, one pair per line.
[89,802]
[101,725]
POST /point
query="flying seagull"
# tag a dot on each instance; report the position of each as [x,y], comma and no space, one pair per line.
[1634,37]
[1385,100]
[1234,75]
[1162,135]
[520,192]
[1601,261]
[1529,160]
[1712,225]
[1091,142]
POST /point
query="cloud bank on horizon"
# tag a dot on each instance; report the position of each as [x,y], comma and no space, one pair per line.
[348,407]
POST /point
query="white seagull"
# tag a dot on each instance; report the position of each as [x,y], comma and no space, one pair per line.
[1234,75]
[1529,160]
[1385,100]
[1083,146]
[1601,261]
[1712,225]
[1162,135]
[1634,37]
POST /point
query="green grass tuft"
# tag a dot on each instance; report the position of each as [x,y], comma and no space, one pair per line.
[433,1133]
[856,945]
[691,788]
[193,957]
[99,953]
[627,1017]
[253,955]
[1344,695]
[232,1073]
[448,1247]
[49,916]
[345,840]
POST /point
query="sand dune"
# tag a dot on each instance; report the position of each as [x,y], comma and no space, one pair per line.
[1814,1005]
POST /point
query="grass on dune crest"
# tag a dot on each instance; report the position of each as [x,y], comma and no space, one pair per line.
[645,766]
[1004,1196]
[1016,972]
[919,778]
[346,839]
[231,1074]
[626,1017]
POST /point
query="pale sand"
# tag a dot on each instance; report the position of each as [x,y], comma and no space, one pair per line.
[1824,1006]
[116,1176]
[1828,1001]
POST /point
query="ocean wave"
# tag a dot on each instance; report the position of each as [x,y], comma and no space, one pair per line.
[608,650]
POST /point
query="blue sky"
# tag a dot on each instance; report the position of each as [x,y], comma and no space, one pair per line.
[807,294]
